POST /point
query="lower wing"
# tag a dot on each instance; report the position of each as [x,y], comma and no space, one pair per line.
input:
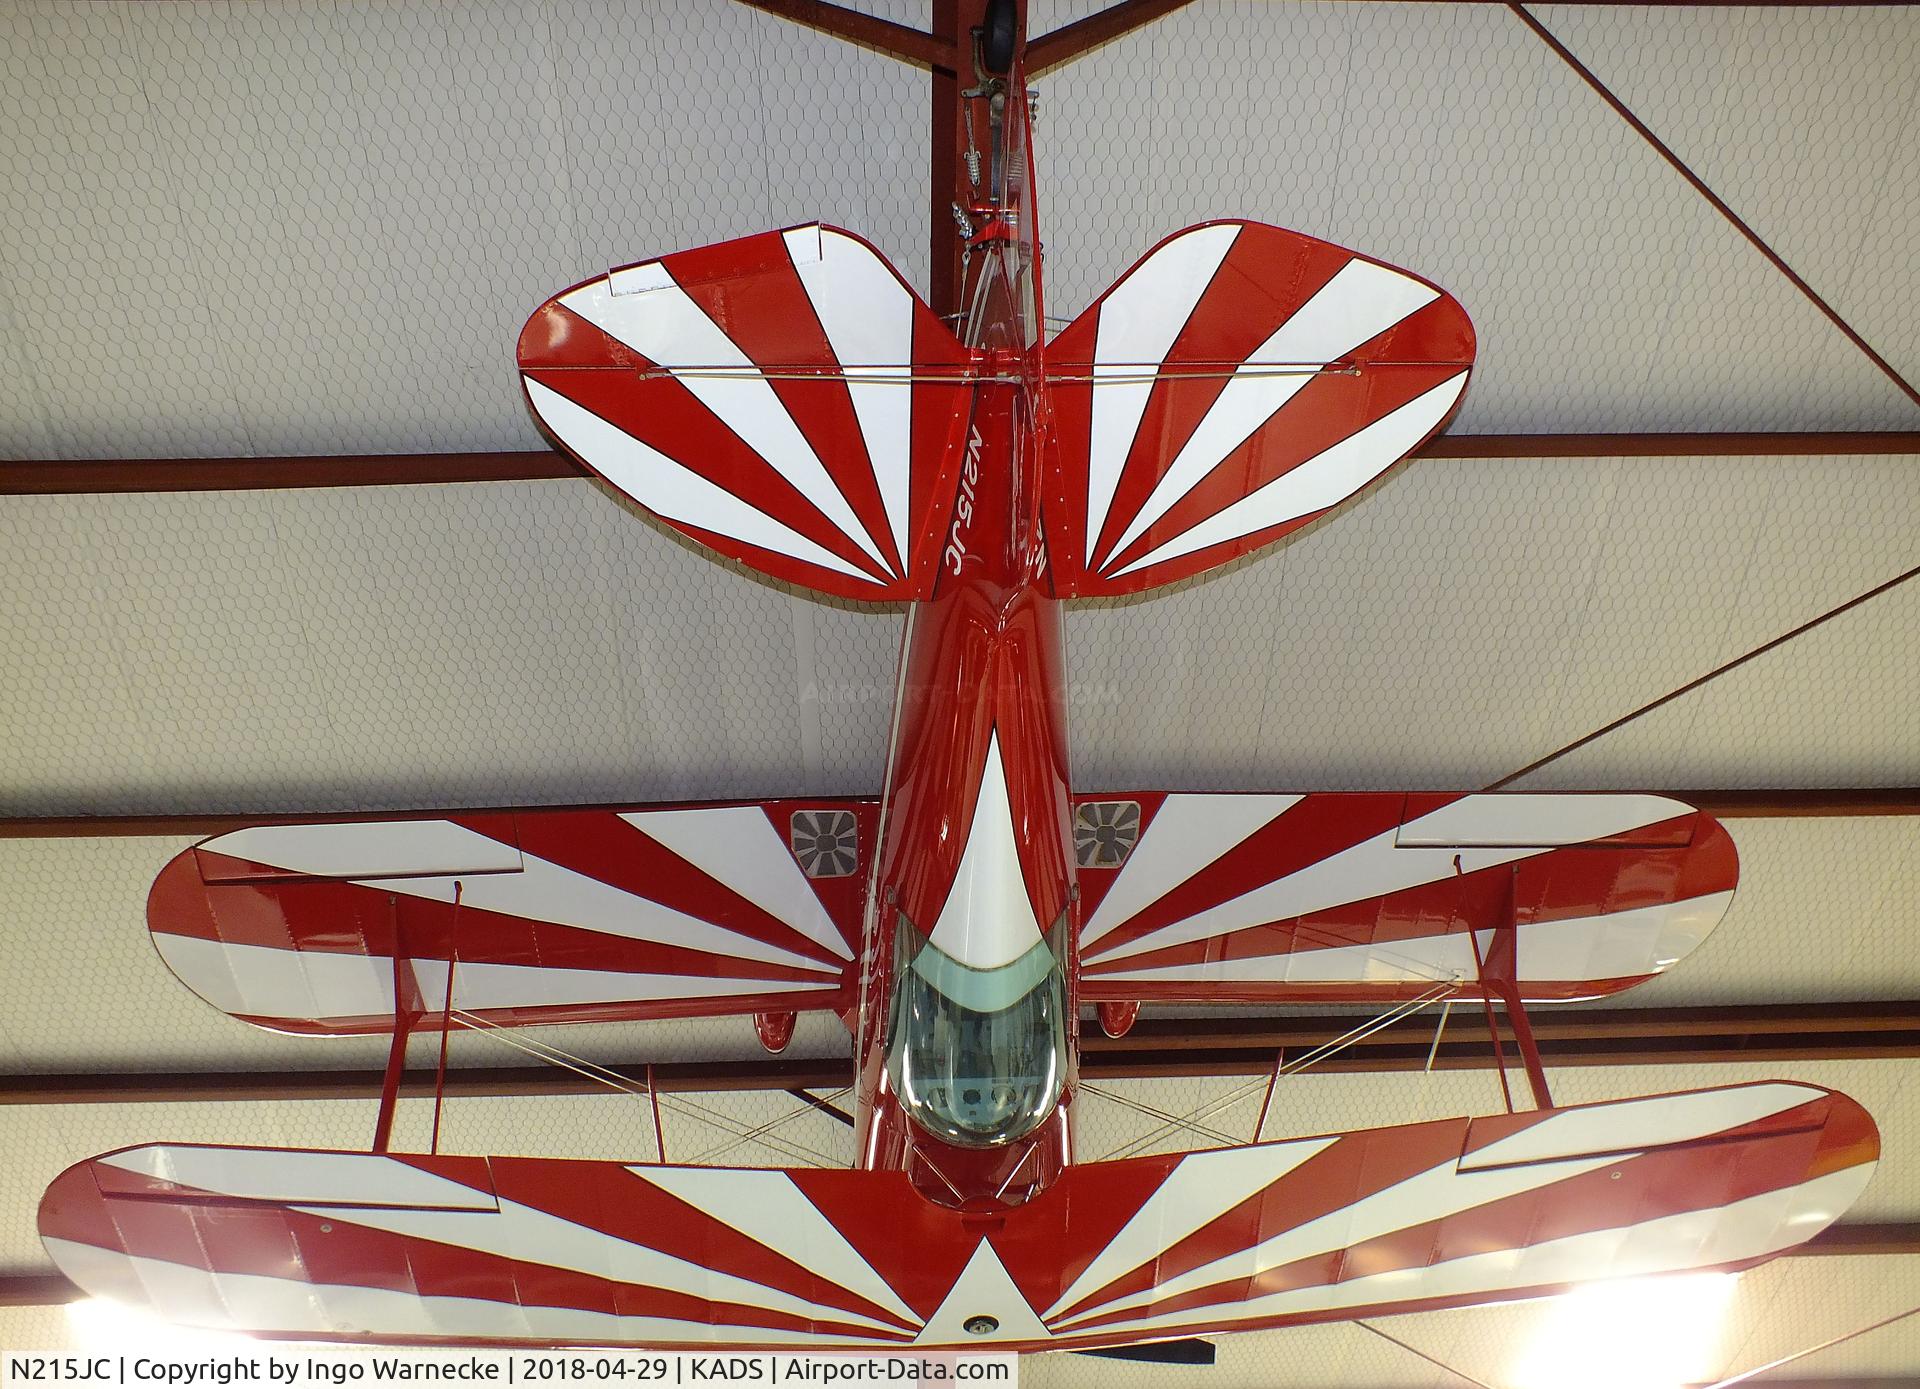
[522,916]
[472,1250]
[1373,897]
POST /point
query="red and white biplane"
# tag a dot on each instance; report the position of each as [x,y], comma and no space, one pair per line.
[786,400]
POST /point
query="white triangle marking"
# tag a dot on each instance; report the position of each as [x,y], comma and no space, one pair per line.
[983,1289]
[988,920]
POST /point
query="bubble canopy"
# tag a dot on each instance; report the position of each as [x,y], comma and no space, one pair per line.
[977,1056]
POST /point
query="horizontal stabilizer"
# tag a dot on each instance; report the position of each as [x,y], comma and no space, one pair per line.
[536,916]
[785,399]
[1382,897]
[1236,383]
[356,1246]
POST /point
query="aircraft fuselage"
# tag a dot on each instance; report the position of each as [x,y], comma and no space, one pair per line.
[976,866]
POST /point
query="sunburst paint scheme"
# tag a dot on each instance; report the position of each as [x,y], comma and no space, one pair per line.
[787,401]
[546,1251]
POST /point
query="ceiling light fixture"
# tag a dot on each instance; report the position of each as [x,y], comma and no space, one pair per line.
[1652,1333]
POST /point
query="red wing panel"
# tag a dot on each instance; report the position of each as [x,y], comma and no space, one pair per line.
[536,1250]
[784,398]
[1235,384]
[547,915]
[1374,898]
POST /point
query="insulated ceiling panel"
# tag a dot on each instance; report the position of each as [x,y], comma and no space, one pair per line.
[1450,139]
[292,229]
[317,229]
[519,643]
[1470,616]
[504,643]
[1781,1308]
[1806,121]
[1833,706]
[1825,911]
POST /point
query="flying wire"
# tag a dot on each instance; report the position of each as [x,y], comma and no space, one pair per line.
[1127,1102]
[613,1080]
[1410,1350]
[1713,674]
[1828,1344]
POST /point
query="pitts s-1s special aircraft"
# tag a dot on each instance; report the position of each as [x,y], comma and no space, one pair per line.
[787,401]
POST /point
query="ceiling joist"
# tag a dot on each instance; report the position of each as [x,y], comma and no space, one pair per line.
[49,476]
[1156,1047]
[868,31]
[1821,803]
[1719,204]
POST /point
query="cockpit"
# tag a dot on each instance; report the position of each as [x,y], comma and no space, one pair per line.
[977,1056]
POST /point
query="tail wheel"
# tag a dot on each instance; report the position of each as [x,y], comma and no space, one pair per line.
[998,36]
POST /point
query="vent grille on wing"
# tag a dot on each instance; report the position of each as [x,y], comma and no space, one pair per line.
[1104,832]
[827,842]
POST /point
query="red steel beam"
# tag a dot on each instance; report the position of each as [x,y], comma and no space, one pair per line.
[1866,1237]
[1766,805]
[496,1082]
[1156,1047]
[1062,46]
[42,476]
[36,1290]
[1551,1024]
[1719,204]
[1796,443]
[1097,1063]
[953,25]
[50,476]
[881,35]
[1727,805]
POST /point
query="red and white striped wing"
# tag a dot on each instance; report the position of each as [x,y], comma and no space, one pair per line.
[562,915]
[784,398]
[1463,1211]
[1375,897]
[540,1250]
[1235,384]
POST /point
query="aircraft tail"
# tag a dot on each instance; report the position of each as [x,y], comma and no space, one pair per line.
[785,399]
[1239,381]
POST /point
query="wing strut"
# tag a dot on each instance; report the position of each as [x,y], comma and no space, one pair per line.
[1499,974]
[408,1008]
[446,1015]
[409,1011]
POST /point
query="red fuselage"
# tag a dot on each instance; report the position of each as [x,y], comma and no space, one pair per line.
[982,673]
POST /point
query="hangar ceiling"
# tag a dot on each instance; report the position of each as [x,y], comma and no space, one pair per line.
[279,228]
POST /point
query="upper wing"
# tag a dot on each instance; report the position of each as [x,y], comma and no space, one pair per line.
[361,1246]
[1233,385]
[538,916]
[1377,897]
[784,398]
